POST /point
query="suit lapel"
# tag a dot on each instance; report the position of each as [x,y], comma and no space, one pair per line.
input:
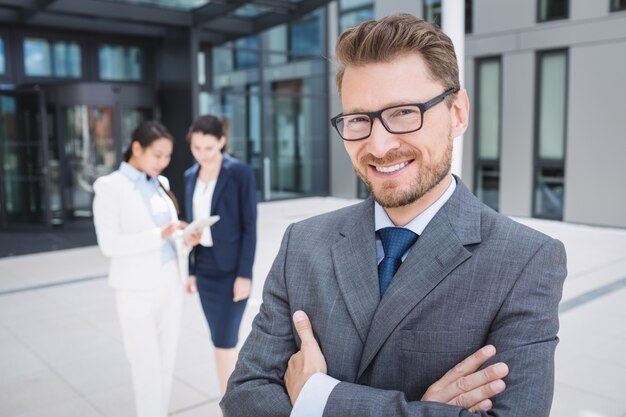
[222,180]
[354,259]
[437,252]
[190,185]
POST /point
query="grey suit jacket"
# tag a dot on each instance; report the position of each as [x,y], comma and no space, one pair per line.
[473,277]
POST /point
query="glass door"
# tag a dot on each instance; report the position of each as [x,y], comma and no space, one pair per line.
[24,191]
[89,153]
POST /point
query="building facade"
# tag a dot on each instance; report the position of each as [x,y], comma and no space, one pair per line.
[544,79]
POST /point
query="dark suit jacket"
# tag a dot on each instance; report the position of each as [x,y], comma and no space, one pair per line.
[473,277]
[234,200]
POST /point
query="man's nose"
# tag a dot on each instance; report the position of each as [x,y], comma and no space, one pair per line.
[380,140]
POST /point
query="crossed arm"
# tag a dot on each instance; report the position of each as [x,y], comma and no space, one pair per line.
[272,367]
[464,385]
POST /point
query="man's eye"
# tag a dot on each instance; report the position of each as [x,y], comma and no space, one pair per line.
[404,112]
[357,119]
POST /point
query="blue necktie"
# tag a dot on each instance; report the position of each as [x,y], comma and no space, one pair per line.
[396,241]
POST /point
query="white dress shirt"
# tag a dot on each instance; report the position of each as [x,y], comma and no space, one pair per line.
[202,197]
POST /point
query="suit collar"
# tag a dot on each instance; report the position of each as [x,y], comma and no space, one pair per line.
[354,259]
[222,179]
[437,252]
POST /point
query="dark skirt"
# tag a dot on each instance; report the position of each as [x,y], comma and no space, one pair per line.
[215,288]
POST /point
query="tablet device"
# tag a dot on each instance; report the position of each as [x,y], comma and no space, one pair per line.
[199,225]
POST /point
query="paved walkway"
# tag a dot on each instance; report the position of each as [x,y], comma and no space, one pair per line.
[61,353]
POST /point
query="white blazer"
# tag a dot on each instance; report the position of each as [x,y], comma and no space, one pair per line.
[128,235]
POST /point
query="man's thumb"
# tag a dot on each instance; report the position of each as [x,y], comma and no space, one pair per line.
[303,327]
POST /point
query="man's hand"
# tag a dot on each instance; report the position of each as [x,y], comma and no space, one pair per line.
[306,362]
[468,388]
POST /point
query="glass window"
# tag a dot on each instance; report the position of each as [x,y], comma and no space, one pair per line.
[552,105]
[201,68]
[550,141]
[488,119]
[247,52]
[468,16]
[618,5]
[57,59]
[120,63]
[277,45]
[2,64]
[351,19]
[552,10]
[351,4]
[432,11]
[305,35]
[222,60]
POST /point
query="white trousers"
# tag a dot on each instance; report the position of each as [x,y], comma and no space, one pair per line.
[150,322]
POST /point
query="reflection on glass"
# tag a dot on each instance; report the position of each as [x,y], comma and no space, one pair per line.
[618,5]
[23,181]
[201,68]
[120,63]
[305,36]
[222,60]
[89,147]
[552,9]
[488,185]
[349,4]
[552,105]
[2,64]
[549,193]
[254,156]
[131,118]
[247,52]
[56,59]
[432,11]
[351,19]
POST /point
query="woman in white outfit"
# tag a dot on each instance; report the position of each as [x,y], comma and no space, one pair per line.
[136,219]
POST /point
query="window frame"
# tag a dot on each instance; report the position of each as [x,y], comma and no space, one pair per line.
[540,163]
[51,38]
[7,75]
[487,162]
[552,19]
[614,8]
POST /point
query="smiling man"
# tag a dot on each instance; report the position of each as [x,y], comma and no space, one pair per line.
[419,301]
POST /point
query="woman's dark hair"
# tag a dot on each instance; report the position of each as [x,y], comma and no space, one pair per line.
[210,125]
[145,134]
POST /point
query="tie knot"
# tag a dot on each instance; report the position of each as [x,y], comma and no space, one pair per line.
[396,240]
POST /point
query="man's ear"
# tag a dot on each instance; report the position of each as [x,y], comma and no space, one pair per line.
[460,113]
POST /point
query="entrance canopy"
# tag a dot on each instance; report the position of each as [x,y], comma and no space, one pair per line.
[217,21]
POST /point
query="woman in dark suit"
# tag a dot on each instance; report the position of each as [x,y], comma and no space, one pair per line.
[221,265]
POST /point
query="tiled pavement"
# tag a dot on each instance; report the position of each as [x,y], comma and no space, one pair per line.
[61,353]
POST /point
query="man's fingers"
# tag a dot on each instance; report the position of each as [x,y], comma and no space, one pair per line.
[479,395]
[303,327]
[468,365]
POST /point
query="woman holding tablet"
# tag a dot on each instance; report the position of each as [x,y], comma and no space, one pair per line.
[221,265]
[137,227]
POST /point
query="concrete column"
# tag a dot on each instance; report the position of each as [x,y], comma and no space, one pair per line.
[453,19]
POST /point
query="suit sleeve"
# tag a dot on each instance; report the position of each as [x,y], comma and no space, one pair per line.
[525,334]
[248,213]
[256,387]
[106,215]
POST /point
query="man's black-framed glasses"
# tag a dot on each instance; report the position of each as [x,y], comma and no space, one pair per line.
[399,119]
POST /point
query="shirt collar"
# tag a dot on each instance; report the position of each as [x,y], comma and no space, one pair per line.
[134,174]
[419,223]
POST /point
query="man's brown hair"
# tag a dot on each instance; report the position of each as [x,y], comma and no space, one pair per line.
[383,40]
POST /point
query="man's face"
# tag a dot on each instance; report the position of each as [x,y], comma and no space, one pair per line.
[399,169]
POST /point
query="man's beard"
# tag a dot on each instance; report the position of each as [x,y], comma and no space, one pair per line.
[388,195]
